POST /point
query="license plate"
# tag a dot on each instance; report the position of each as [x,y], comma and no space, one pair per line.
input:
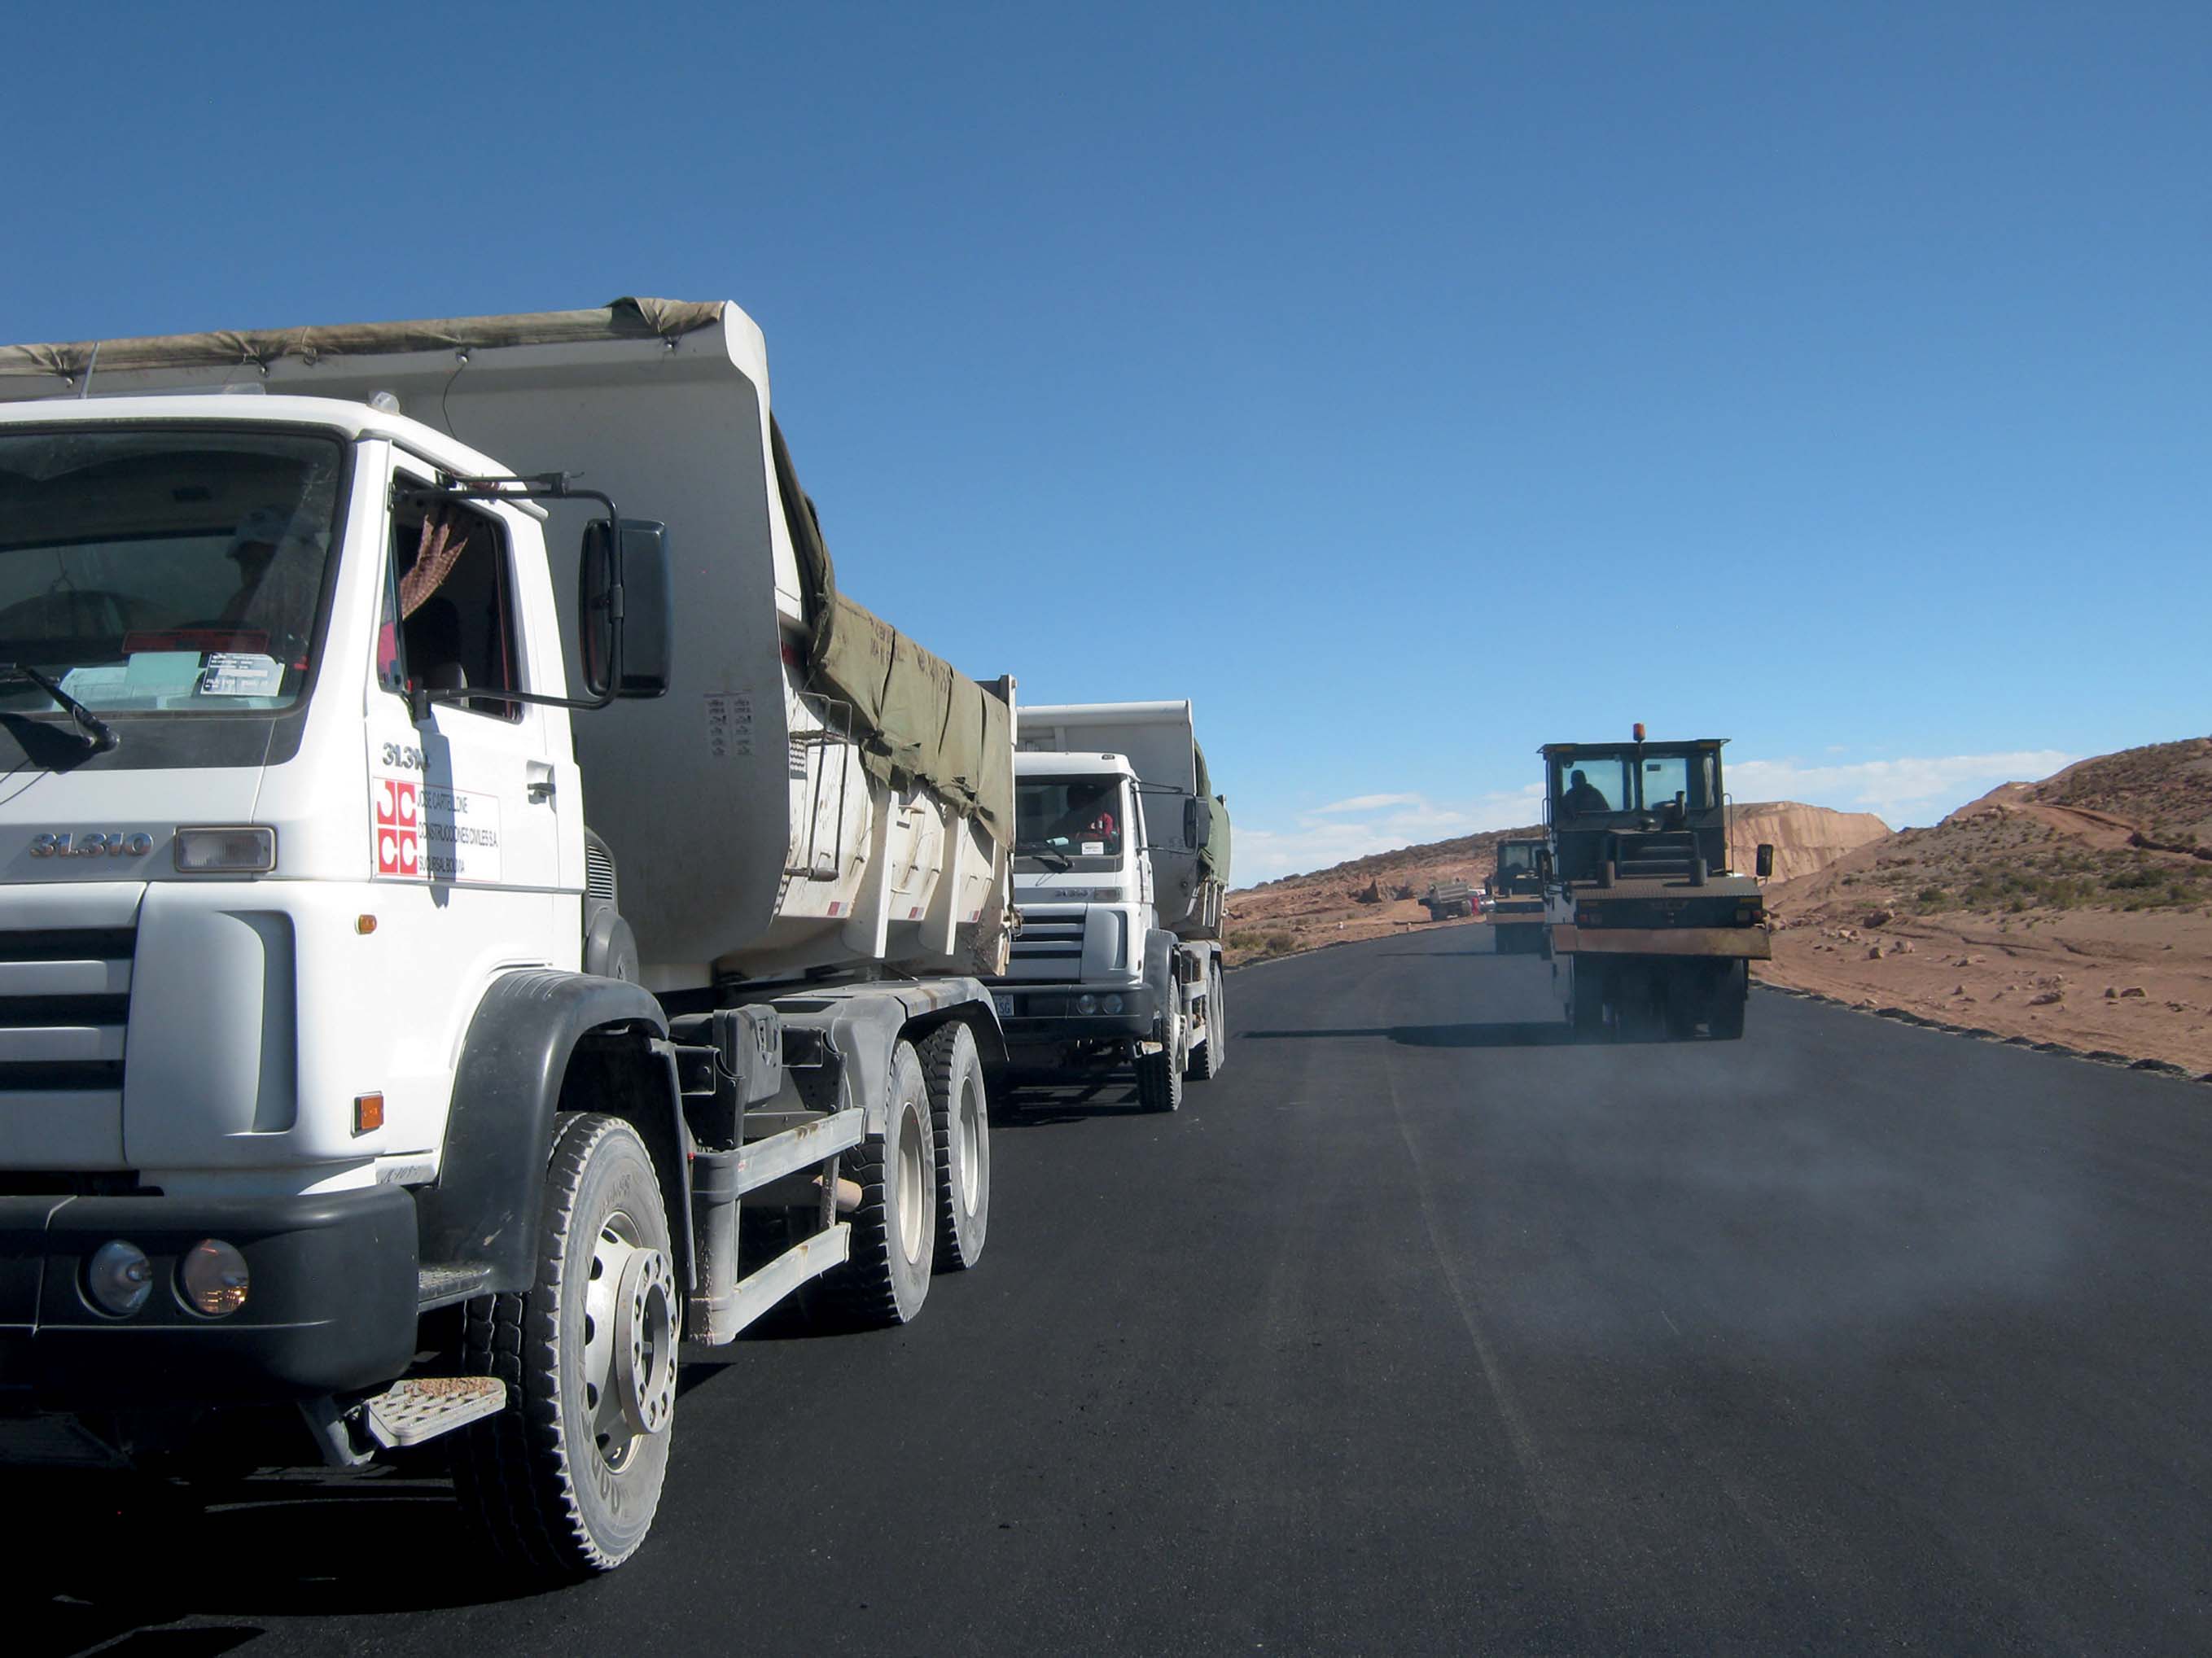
[1004,1004]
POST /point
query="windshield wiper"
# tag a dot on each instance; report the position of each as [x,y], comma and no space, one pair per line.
[99,736]
[1039,850]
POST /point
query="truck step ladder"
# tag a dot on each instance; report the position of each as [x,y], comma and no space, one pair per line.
[423,1408]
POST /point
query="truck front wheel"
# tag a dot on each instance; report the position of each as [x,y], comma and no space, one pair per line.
[960,1127]
[565,1480]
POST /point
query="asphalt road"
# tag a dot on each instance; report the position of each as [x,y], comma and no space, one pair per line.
[1419,1330]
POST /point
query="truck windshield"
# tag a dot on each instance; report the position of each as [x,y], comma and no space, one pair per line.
[1072,817]
[1590,783]
[1678,777]
[1587,782]
[1516,857]
[157,570]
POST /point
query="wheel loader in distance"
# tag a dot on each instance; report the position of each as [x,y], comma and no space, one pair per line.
[1516,894]
[1650,933]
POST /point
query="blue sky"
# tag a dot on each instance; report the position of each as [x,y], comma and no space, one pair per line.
[1406,386]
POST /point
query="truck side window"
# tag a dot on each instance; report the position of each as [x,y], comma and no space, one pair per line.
[452,597]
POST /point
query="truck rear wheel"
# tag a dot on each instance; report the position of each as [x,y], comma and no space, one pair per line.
[886,1279]
[960,1129]
[1159,1075]
[565,1480]
[1206,1063]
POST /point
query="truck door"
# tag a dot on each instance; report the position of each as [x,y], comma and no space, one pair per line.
[1140,839]
[464,804]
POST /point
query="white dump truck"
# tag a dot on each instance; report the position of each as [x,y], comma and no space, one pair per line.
[1121,863]
[478,905]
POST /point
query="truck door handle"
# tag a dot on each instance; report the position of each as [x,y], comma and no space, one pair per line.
[540,789]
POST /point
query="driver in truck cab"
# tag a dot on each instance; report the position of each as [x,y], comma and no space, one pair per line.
[1582,795]
[252,546]
[279,576]
[1092,806]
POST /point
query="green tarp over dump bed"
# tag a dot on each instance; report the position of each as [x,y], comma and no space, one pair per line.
[625,319]
[916,716]
[1214,856]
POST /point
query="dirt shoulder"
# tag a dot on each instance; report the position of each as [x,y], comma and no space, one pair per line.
[2138,984]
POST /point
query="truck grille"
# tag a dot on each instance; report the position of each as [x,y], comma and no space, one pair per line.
[1048,947]
[1059,939]
[64,1003]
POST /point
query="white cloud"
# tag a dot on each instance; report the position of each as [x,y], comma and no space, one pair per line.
[1371,802]
[1919,789]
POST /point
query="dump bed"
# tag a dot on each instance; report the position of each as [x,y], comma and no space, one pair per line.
[816,789]
[1158,741]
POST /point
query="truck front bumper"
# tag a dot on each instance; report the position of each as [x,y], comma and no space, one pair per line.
[1741,944]
[1035,1015]
[330,1305]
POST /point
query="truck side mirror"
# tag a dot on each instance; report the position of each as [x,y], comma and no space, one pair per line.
[624,609]
[1197,822]
[1765,861]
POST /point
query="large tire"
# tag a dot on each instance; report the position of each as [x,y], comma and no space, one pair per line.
[886,1279]
[1724,1019]
[1159,1075]
[1212,1052]
[565,1480]
[1586,991]
[960,1130]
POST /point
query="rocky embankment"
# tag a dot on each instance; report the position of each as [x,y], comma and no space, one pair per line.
[2075,910]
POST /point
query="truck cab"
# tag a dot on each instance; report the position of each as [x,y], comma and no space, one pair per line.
[1649,928]
[1083,887]
[261,856]
[1119,860]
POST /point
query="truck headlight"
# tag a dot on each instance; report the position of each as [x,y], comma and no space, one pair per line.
[215,1278]
[1087,1003]
[119,1277]
[231,849]
[1112,1003]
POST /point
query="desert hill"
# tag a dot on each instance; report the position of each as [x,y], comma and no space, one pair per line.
[1805,839]
[2075,909]
[1378,894]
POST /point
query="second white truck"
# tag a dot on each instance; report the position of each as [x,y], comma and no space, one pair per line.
[1120,865]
